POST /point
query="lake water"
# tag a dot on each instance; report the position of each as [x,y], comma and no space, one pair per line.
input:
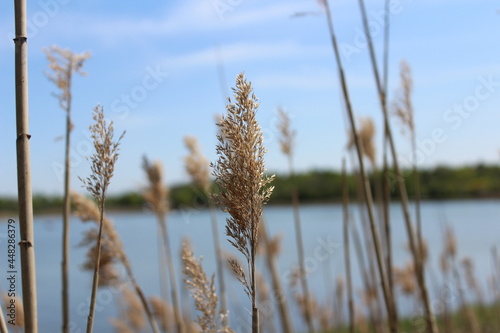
[476,225]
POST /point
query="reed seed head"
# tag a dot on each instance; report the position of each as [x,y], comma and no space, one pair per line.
[63,63]
[405,278]
[111,245]
[239,170]
[197,164]
[366,133]
[202,290]
[287,134]
[402,105]
[104,158]
[156,193]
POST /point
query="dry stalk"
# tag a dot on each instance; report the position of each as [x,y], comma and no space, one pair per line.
[413,240]
[388,297]
[287,144]
[239,172]
[25,196]
[347,259]
[63,64]
[271,250]
[156,194]
[403,109]
[102,168]
[198,167]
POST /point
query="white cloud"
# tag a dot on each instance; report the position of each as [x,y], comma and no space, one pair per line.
[244,51]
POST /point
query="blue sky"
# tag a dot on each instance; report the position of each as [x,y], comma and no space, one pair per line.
[154,69]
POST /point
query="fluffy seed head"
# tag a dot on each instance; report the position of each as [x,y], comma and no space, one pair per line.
[196,163]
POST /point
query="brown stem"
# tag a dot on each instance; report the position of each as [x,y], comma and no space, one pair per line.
[95,280]
[366,185]
[66,208]
[286,322]
[253,248]
[429,315]
[300,247]
[171,270]
[139,292]
[347,259]
[218,257]
[25,197]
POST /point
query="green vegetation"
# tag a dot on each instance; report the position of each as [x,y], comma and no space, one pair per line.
[480,181]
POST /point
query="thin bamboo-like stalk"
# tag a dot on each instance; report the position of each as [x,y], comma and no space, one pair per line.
[366,185]
[429,315]
[25,196]
[286,322]
[347,259]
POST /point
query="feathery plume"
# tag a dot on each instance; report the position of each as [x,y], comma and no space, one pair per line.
[197,164]
[156,194]
[239,173]
[287,135]
[402,105]
[366,135]
[203,292]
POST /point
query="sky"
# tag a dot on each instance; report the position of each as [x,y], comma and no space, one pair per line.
[162,70]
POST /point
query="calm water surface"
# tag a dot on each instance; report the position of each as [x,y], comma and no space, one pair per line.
[476,224]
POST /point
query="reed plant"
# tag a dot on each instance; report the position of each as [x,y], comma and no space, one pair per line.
[24,190]
[239,173]
[63,63]
[366,189]
[156,195]
[111,250]
[102,167]
[271,249]
[403,195]
[347,254]
[211,319]
[198,168]
[286,140]
[131,315]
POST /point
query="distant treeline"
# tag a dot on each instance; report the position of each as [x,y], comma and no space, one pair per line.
[316,186]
